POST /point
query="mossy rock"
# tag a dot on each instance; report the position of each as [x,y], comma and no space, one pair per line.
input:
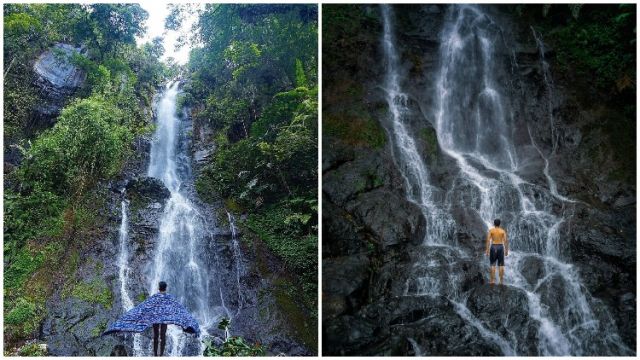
[430,139]
[355,130]
[99,329]
[304,330]
[95,292]
[232,205]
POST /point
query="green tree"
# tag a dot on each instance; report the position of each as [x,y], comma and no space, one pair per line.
[88,143]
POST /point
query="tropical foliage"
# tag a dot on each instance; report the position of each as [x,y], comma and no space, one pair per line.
[254,84]
[232,345]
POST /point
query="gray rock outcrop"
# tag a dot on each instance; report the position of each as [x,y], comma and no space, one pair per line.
[58,77]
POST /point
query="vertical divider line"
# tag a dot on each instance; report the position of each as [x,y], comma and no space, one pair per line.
[319,320]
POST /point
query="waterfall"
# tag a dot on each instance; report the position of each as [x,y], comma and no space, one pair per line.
[474,126]
[124,269]
[548,82]
[237,259]
[181,255]
[123,258]
[405,150]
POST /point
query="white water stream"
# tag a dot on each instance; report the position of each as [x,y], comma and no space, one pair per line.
[182,254]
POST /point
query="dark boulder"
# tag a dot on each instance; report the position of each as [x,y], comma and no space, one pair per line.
[341,234]
[470,229]
[505,311]
[119,350]
[352,178]
[150,188]
[425,325]
[345,292]
[532,268]
[400,223]
[345,335]
[356,266]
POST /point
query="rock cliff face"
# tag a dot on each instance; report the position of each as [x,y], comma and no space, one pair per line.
[58,77]
[385,293]
[75,321]
[55,79]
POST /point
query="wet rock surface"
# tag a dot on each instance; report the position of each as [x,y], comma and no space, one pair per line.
[151,188]
[504,310]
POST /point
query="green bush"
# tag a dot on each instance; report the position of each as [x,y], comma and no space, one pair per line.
[21,313]
[38,214]
[23,318]
[32,349]
[290,234]
[278,159]
[283,109]
[86,144]
[233,345]
[595,42]
[22,266]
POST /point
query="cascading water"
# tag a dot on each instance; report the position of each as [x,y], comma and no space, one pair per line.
[475,128]
[124,269]
[405,150]
[123,258]
[181,254]
[237,258]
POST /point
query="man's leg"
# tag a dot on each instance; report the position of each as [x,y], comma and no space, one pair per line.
[492,264]
[501,262]
[163,337]
[155,339]
[492,275]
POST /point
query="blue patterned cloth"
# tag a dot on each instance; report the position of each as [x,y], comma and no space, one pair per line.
[158,309]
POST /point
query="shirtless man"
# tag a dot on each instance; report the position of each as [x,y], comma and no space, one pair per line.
[497,248]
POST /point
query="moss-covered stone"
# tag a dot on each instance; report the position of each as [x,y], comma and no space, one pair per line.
[430,138]
[300,320]
[305,330]
[95,292]
[354,130]
[232,205]
[99,329]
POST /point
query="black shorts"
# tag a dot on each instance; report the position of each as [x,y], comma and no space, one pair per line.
[496,254]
